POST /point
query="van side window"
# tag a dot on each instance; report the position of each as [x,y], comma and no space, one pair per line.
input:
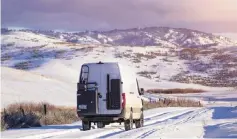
[84,74]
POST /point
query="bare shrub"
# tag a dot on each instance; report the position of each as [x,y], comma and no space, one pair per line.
[30,107]
[135,60]
[175,91]
[167,60]
[23,65]
[86,49]
[171,103]
[146,74]
[65,43]
[60,53]
[188,53]
[19,120]
[25,115]
[121,55]
[5,57]
[141,55]
[222,58]
[118,55]
[218,79]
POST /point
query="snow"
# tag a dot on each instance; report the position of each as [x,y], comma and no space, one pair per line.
[58,77]
[229,35]
[87,40]
[159,123]
[217,119]
[27,39]
[55,79]
[23,86]
[58,71]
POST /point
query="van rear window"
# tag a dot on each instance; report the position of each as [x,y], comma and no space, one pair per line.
[84,74]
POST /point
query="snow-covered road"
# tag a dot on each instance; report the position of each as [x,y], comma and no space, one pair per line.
[160,122]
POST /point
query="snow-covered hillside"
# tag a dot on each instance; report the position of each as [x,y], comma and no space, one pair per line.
[52,63]
[44,66]
[203,64]
[24,86]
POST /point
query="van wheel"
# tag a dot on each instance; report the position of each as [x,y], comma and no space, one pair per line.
[100,125]
[140,123]
[86,125]
[128,124]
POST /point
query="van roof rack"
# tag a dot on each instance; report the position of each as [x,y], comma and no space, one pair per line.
[100,62]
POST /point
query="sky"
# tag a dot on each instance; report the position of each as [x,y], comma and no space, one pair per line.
[80,15]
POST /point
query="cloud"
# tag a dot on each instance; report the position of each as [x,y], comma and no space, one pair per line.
[206,15]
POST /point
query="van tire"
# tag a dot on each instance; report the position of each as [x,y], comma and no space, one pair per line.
[140,122]
[100,124]
[86,125]
[128,124]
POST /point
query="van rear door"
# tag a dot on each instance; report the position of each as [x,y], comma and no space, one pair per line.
[88,88]
[110,89]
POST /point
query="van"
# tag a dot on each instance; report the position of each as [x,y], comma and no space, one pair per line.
[107,93]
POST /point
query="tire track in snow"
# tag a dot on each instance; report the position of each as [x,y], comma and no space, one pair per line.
[191,116]
[110,130]
[147,133]
[161,124]
[172,124]
[116,130]
[139,132]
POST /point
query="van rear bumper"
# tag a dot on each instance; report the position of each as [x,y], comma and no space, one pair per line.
[102,118]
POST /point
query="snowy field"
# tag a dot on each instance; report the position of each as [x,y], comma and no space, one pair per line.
[54,80]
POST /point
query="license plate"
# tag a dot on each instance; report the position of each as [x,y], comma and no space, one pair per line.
[82,107]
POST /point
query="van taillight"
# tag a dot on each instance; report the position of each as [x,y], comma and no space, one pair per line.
[123,100]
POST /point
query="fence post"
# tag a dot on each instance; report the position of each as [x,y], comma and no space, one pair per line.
[5,115]
[45,112]
[22,111]
[45,109]
[4,111]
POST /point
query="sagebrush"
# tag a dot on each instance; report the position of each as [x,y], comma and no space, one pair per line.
[175,91]
[171,103]
[24,115]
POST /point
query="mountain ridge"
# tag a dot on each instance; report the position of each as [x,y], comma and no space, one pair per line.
[148,36]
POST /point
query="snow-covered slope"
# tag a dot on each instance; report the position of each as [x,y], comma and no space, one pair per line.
[24,86]
[203,65]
